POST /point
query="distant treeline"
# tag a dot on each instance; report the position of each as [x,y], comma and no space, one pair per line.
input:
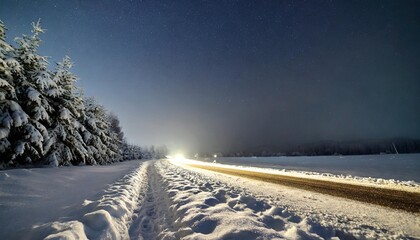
[361,147]
[130,152]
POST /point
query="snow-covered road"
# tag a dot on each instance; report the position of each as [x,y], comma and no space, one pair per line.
[165,200]
[324,215]
[389,195]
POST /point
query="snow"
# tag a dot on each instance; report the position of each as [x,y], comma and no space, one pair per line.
[92,123]
[54,92]
[14,106]
[170,200]
[19,116]
[20,148]
[42,129]
[4,84]
[13,64]
[33,95]
[320,212]
[40,113]
[35,135]
[65,114]
[7,121]
[23,132]
[43,80]
[105,218]
[182,204]
[37,196]
[4,144]
[4,132]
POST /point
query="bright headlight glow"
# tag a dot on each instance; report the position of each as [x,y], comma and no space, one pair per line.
[179,157]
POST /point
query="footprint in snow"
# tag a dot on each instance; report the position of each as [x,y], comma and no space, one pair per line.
[146,225]
[211,201]
[273,223]
[151,212]
[205,226]
[150,199]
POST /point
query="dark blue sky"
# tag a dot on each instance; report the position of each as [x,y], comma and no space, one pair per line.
[222,75]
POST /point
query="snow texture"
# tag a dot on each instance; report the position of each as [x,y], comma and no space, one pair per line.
[38,196]
[19,116]
[168,200]
[33,95]
[324,214]
[65,114]
[4,132]
[5,84]
[106,218]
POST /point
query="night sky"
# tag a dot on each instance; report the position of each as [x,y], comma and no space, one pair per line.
[233,75]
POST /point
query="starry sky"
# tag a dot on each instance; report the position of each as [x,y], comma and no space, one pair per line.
[233,75]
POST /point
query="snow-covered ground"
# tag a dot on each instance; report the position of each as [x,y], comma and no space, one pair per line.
[39,195]
[168,200]
[342,217]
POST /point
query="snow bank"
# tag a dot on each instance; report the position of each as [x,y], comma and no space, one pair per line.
[367,181]
[106,218]
[40,195]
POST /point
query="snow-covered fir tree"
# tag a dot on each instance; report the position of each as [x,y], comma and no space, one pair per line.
[115,126]
[103,143]
[131,152]
[161,152]
[65,144]
[13,120]
[44,117]
[7,96]
[31,87]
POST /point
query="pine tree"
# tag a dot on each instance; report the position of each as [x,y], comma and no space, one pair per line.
[30,88]
[93,136]
[44,116]
[131,152]
[7,94]
[65,145]
[161,152]
[115,126]
[102,142]
[13,119]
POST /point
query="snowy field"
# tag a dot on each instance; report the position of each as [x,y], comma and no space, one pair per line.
[388,166]
[169,200]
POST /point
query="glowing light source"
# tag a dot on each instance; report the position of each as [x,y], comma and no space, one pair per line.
[179,157]
[215,155]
